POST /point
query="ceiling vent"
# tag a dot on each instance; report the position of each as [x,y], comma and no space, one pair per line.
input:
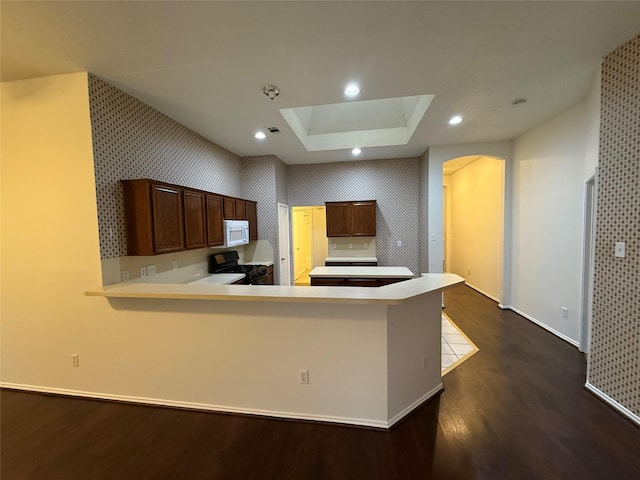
[273,129]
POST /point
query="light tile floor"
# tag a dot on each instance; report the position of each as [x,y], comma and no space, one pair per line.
[456,347]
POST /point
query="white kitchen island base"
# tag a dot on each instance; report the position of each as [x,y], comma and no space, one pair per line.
[370,362]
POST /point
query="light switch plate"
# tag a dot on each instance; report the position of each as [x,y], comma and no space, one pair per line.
[619,249]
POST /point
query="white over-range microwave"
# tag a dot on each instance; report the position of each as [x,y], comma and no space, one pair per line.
[236,232]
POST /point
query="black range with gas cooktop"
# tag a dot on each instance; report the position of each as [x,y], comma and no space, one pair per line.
[227,262]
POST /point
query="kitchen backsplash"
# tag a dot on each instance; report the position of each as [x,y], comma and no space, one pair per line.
[352,247]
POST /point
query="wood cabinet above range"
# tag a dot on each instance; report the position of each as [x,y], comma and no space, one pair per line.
[164,218]
[351,219]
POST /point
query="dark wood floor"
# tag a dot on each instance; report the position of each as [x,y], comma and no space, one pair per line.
[515,410]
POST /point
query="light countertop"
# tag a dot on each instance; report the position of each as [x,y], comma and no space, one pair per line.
[351,259]
[361,272]
[219,279]
[389,294]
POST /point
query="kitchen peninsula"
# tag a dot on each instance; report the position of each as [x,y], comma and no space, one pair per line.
[371,355]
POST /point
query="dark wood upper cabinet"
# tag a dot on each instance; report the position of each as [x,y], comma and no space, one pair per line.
[166,203]
[195,227]
[229,208]
[363,219]
[215,233]
[351,219]
[252,216]
[164,218]
[153,217]
[338,219]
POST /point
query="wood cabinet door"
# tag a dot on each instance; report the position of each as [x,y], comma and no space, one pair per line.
[241,209]
[195,229]
[215,233]
[229,208]
[338,219]
[252,217]
[363,219]
[167,218]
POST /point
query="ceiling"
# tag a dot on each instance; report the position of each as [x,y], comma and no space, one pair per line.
[204,64]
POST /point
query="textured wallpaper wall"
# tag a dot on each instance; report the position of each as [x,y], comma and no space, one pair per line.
[132,140]
[394,183]
[260,177]
[615,351]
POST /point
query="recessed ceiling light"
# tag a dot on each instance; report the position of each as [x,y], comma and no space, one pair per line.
[455,120]
[356,151]
[260,135]
[352,89]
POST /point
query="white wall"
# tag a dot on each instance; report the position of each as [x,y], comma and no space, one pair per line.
[550,164]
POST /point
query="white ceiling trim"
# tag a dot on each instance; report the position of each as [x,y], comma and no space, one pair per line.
[392,121]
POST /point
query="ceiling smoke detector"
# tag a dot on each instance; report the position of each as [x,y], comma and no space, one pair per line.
[271,91]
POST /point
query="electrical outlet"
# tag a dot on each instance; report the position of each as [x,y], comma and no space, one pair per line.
[303,377]
[124,275]
[351,245]
[151,270]
[75,361]
[399,243]
[565,312]
[175,264]
[143,272]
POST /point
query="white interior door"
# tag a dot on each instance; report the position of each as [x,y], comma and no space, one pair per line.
[284,248]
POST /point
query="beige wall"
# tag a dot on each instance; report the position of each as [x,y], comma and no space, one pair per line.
[50,247]
[474,224]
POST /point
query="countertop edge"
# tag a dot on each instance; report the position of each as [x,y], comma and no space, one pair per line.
[389,294]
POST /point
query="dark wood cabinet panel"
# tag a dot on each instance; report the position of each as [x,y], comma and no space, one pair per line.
[252,217]
[338,219]
[215,232]
[229,211]
[270,279]
[333,263]
[363,219]
[195,227]
[351,219]
[241,209]
[353,282]
[167,218]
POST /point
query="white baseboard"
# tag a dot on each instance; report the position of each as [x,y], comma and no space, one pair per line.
[611,402]
[561,335]
[364,422]
[414,405]
[495,299]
